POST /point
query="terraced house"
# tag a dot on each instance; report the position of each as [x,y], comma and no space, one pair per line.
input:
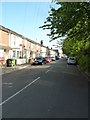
[4,45]
[16,46]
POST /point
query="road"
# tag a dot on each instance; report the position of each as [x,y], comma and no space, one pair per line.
[54,90]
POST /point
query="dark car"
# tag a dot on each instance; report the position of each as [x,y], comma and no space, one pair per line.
[39,61]
[57,57]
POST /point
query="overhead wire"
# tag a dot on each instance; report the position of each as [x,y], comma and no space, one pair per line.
[33,17]
[36,18]
[24,18]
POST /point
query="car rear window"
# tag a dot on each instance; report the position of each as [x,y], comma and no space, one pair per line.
[72,58]
[39,58]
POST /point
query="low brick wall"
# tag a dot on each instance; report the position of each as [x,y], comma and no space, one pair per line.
[2,61]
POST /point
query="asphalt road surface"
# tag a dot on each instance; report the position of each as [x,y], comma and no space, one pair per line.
[54,90]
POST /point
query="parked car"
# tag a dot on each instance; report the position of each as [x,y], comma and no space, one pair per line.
[53,58]
[71,60]
[48,59]
[39,61]
[66,57]
[57,57]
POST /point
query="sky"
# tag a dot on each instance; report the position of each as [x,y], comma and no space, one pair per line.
[25,18]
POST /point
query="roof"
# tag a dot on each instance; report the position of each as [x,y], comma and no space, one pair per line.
[15,33]
[23,37]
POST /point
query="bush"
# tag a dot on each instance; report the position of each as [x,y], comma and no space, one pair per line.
[84,62]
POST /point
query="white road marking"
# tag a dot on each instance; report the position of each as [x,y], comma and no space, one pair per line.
[10,86]
[47,71]
[7,83]
[19,91]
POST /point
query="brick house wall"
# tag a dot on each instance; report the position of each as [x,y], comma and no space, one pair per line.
[4,46]
[4,38]
[12,42]
[33,49]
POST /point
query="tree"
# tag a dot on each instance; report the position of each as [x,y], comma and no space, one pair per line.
[71,20]
[66,18]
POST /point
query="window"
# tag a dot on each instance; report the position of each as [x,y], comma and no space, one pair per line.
[18,54]
[14,53]
[1,52]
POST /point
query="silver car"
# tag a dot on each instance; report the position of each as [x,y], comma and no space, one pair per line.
[53,58]
[71,60]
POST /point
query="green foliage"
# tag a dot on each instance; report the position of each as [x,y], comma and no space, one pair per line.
[84,63]
[73,20]
[68,16]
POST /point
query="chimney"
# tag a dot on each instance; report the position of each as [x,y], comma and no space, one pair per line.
[41,42]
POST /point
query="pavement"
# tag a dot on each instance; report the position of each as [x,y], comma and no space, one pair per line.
[5,69]
[85,74]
